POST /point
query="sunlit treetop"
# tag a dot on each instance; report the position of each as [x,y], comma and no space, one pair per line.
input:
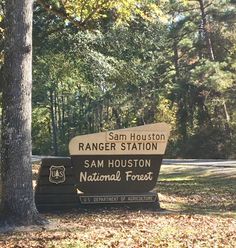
[82,13]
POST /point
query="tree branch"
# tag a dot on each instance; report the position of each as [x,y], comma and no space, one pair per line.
[94,11]
[59,12]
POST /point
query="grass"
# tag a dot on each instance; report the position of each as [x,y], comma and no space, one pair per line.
[201,204]
[194,189]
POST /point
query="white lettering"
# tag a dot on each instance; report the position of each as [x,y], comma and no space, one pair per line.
[97,177]
[124,163]
[93,163]
[138,177]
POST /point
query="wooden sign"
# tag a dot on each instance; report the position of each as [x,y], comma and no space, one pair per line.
[120,166]
[147,139]
[121,161]
[56,185]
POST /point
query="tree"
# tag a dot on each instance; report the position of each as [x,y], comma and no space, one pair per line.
[178,64]
[203,56]
[16,174]
[16,171]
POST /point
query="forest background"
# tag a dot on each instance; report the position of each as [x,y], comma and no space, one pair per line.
[165,61]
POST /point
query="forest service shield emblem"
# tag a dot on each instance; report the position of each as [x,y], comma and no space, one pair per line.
[57,174]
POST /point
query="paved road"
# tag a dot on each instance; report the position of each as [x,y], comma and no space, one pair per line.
[37,158]
[200,162]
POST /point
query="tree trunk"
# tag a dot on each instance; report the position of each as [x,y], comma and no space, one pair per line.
[116,113]
[18,205]
[63,119]
[176,60]
[53,123]
[205,29]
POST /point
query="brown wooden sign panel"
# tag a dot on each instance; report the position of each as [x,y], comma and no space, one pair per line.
[119,161]
[56,185]
[116,173]
[119,166]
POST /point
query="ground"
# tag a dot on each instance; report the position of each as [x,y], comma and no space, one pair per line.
[200,211]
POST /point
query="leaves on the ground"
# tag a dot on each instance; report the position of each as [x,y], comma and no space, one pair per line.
[201,214]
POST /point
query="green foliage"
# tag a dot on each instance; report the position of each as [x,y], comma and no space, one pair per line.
[156,65]
[40,131]
[213,75]
[212,143]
